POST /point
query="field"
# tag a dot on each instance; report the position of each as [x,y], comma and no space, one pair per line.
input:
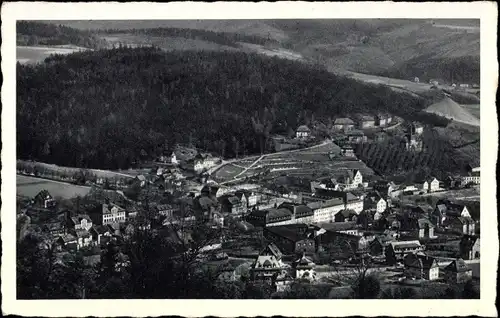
[71,170]
[35,54]
[30,186]
[473,109]
[227,172]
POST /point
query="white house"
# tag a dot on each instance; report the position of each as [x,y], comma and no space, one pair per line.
[431,185]
[204,162]
[303,132]
[473,177]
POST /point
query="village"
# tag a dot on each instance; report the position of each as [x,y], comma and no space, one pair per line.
[308,211]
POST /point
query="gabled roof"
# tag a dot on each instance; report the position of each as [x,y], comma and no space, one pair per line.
[457,266]
[423,222]
[343,121]
[78,219]
[278,213]
[304,261]
[420,260]
[303,128]
[44,194]
[100,229]
[272,249]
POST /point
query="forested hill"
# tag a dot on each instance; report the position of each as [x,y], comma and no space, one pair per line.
[109,108]
[37,33]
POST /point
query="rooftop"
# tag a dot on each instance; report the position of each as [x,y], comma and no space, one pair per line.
[343,121]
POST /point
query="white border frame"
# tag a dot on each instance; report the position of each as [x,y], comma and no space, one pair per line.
[486,11]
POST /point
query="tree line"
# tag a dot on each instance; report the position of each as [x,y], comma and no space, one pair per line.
[113,108]
[37,33]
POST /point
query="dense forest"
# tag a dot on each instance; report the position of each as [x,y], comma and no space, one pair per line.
[451,70]
[37,33]
[222,38]
[110,108]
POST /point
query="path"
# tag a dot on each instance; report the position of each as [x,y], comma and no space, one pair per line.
[232,161]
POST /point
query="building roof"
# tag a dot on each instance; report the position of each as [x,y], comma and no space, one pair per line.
[278,213]
[78,219]
[420,260]
[339,226]
[457,266]
[286,232]
[343,121]
[106,208]
[100,229]
[423,222]
[272,249]
[303,128]
[44,194]
[304,261]
[405,244]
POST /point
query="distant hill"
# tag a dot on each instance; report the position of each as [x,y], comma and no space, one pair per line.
[401,48]
[450,109]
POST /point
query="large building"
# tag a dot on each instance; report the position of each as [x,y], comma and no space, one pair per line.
[303,132]
[108,213]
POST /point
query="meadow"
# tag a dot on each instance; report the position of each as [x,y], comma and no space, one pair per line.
[31,186]
[36,54]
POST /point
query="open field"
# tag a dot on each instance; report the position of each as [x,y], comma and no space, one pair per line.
[71,170]
[31,186]
[473,109]
[228,171]
[35,54]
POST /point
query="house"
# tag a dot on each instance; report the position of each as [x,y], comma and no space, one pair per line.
[377,246]
[344,124]
[415,128]
[349,179]
[356,137]
[67,241]
[290,239]
[141,180]
[340,245]
[430,185]
[55,229]
[396,251]
[270,217]
[231,204]
[304,268]
[347,227]
[416,80]
[347,151]
[84,238]
[80,222]
[413,142]
[44,200]
[101,234]
[464,225]
[266,267]
[108,213]
[203,162]
[469,247]
[425,228]
[166,210]
[374,201]
[346,216]
[303,132]
[458,272]
[241,195]
[382,119]
[446,208]
[253,198]
[420,266]
[366,121]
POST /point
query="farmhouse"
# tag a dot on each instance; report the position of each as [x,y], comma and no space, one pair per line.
[303,132]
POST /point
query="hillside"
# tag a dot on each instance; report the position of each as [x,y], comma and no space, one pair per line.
[110,108]
[450,109]
[447,49]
